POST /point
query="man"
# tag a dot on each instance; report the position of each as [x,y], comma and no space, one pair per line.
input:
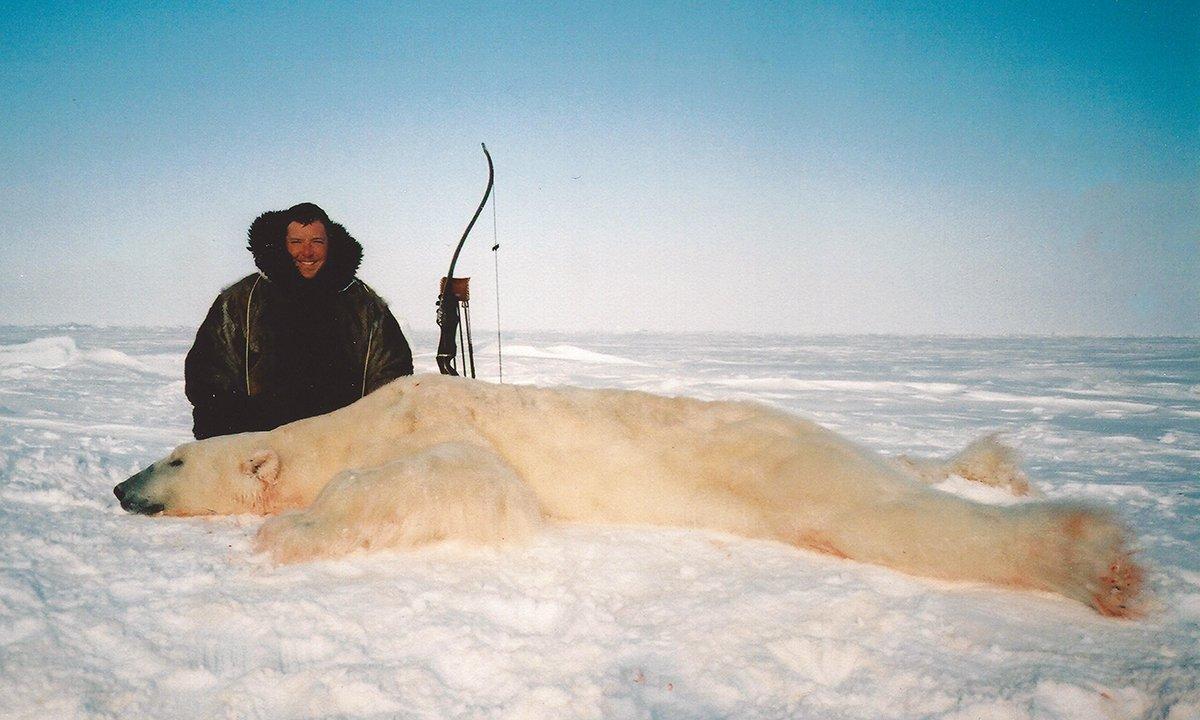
[301,337]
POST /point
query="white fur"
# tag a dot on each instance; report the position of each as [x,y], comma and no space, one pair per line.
[430,458]
[450,491]
[986,461]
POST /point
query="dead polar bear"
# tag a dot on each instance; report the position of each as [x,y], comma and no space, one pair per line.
[430,457]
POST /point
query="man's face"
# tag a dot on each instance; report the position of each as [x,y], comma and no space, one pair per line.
[307,245]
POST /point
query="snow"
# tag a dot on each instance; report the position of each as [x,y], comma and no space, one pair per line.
[104,614]
[568,353]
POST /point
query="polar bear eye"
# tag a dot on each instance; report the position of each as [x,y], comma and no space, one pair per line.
[175,463]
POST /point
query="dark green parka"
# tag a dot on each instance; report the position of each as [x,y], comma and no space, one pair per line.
[276,348]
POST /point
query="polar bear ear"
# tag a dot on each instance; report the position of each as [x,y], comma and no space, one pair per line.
[263,465]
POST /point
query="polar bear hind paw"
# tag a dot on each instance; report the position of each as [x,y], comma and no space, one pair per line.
[1118,588]
[1107,577]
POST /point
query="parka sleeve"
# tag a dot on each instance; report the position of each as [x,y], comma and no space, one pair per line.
[214,378]
[389,356]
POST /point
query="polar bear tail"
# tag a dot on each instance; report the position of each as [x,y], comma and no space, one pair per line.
[987,461]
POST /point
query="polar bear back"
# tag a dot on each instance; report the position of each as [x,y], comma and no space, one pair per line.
[629,456]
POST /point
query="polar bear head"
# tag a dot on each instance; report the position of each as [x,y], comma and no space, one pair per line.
[219,476]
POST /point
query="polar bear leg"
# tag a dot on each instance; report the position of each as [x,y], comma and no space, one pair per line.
[1076,551]
[453,491]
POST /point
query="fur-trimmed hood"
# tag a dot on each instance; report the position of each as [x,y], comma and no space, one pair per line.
[267,234]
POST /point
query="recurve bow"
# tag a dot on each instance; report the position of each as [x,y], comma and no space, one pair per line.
[447,300]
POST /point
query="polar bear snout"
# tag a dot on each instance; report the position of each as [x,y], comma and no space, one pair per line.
[131,494]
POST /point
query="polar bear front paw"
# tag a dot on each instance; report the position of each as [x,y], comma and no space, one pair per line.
[452,491]
[291,537]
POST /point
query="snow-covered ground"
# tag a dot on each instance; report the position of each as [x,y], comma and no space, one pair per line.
[109,615]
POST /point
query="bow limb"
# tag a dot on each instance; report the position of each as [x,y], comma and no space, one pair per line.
[448,301]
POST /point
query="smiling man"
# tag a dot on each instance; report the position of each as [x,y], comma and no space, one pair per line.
[308,245]
[301,337]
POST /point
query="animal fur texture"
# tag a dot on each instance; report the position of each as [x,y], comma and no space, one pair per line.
[428,458]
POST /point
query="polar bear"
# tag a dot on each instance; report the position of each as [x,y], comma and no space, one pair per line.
[428,458]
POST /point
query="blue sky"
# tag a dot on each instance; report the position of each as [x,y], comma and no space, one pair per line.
[796,167]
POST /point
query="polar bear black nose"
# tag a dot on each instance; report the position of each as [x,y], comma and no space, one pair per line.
[128,493]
